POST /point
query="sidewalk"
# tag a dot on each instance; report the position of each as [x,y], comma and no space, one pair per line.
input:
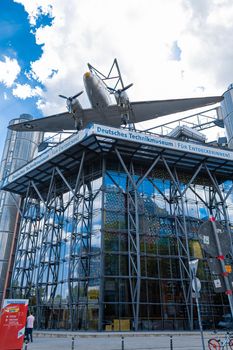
[60,340]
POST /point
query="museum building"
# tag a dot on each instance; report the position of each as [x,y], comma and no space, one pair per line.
[109,221]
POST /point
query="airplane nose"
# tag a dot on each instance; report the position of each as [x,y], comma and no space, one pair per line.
[87,75]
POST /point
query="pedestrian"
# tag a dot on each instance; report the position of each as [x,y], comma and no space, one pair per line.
[30,324]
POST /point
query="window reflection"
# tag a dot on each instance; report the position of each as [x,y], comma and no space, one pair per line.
[85,257]
[163,277]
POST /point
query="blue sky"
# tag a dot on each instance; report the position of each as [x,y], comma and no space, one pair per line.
[17,42]
[166,48]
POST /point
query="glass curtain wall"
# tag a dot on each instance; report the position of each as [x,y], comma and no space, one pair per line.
[57,264]
[163,280]
[73,263]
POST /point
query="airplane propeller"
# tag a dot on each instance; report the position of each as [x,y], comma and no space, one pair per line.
[70,99]
[121,98]
[119,91]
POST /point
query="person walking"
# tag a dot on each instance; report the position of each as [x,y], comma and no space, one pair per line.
[30,324]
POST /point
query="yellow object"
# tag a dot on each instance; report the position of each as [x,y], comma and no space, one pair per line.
[93,293]
[87,75]
[197,251]
[121,325]
[116,325]
[108,327]
[228,268]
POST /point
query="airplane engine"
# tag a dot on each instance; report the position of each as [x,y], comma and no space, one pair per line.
[122,98]
[72,103]
[74,106]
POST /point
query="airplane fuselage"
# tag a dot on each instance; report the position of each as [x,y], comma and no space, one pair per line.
[97,92]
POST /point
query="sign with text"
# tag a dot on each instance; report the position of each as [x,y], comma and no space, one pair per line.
[12,324]
[120,134]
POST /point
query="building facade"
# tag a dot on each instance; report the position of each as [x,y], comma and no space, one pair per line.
[109,223]
[19,148]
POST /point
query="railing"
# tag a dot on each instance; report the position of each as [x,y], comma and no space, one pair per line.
[119,341]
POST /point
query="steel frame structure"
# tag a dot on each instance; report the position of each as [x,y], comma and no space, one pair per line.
[216,206]
[80,247]
[41,229]
[38,253]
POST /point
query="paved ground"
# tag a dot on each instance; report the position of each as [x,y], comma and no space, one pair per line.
[103,341]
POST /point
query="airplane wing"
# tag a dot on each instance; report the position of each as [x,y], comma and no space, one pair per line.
[65,121]
[53,123]
[142,111]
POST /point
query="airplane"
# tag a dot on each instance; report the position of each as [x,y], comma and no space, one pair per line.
[103,111]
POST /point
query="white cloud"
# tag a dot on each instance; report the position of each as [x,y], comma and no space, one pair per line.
[9,70]
[24,91]
[36,8]
[141,34]
[206,49]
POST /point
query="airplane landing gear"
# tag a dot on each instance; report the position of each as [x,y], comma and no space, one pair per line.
[78,124]
[125,119]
